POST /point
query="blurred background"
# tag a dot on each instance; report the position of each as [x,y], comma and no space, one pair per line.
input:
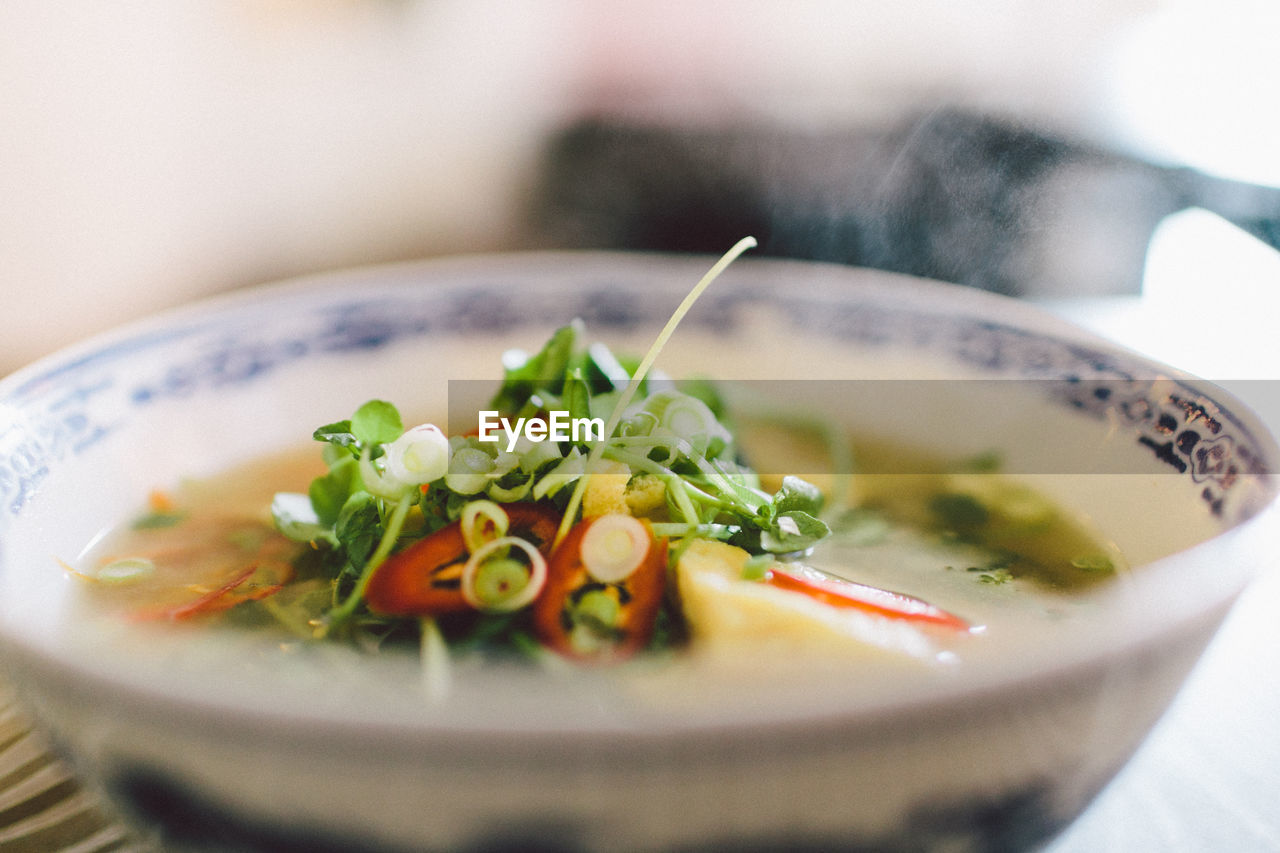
[154,151]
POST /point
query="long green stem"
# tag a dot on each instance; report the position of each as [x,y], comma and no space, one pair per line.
[395,523]
[677,486]
[624,400]
[434,656]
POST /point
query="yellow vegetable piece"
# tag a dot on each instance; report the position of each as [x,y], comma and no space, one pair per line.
[645,495]
[734,617]
[606,491]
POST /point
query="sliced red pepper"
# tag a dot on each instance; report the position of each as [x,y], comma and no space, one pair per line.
[272,576]
[639,597]
[838,592]
[425,579]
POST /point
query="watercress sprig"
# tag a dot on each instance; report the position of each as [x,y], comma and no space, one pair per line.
[362,509]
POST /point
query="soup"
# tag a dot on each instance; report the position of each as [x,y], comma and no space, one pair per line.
[980,557]
[595,514]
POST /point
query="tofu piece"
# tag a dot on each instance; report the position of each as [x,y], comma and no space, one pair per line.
[646,494]
[730,616]
[606,491]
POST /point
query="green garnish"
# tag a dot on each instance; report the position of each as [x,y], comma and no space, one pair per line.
[158,519]
[387,487]
[125,570]
[958,511]
[1094,563]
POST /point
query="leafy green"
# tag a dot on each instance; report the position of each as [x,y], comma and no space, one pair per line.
[376,422]
[577,395]
[330,491]
[793,532]
[543,372]
[797,495]
[338,434]
[359,529]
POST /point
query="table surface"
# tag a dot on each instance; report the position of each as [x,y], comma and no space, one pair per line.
[1208,776]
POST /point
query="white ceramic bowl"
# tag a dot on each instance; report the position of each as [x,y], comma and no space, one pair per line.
[198,741]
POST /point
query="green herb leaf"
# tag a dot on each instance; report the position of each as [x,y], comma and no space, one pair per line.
[793,531]
[338,434]
[577,395]
[797,495]
[545,371]
[604,372]
[376,422]
[358,528]
[330,491]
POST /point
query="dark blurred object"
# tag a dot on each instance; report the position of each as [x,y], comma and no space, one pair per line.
[952,196]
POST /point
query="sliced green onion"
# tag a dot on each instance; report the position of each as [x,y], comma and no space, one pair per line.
[376,481]
[496,578]
[598,609]
[469,471]
[515,493]
[565,472]
[496,592]
[613,547]
[420,455]
[125,570]
[481,522]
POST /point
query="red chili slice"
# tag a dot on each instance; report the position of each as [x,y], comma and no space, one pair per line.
[425,579]
[258,581]
[639,597]
[839,592]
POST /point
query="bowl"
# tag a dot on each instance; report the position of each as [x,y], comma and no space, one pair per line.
[202,743]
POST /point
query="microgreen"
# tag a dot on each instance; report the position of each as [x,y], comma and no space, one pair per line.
[330,491]
[376,422]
